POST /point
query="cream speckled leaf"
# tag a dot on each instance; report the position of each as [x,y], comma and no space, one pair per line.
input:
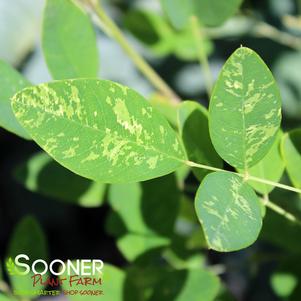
[229,211]
[245,110]
[271,167]
[69,41]
[100,130]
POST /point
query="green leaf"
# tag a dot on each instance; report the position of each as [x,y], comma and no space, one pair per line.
[134,202]
[111,286]
[150,29]
[5,298]
[291,152]
[193,124]
[229,211]
[69,41]
[10,83]
[133,245]
[113,283]
[155,33]
[100,130]
[42,174]
[245,110]
[285,229]
[283,284]
[166,108]
[215,12]
[192,285]
[271,167]
[28,238]
[178,11]
[209,12]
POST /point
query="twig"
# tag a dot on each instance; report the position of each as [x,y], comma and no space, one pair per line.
[247,178]
[280,211]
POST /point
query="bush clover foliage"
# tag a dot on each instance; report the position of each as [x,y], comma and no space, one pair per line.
[98,133]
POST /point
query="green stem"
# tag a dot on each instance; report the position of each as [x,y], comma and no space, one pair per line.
[138,60]
[198,34]
[259,29]
[265,200]
[246,177]
[280,211]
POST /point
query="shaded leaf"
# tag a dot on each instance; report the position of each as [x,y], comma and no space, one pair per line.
[229,211]
[245,110]
[5,298]
[193,285]
[133,245]
[28,238]
[149,208]
[166,108]
[112,279]
[155,33]
[283,284]
[151,29]
[100,130]
[209,12]
[285,229]
[271,167]
[10,83]
[44,175]
[291,152]
[193,124]
[69,41]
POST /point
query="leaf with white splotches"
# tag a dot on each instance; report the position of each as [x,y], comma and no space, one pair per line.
[10,83]
[69,41]
[100,130]
[43,175]
[193,125]
[245,110]
[271,168]
[229,211]
[209,12]
[291,152]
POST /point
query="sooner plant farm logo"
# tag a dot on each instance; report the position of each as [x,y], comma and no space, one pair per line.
[78,277]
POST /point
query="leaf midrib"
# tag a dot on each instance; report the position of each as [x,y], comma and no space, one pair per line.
[102,132]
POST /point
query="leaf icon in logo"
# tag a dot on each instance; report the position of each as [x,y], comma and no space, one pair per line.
[10,267]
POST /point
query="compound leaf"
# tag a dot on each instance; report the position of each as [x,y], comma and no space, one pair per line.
[100,130]
[68,40]
[245,110]
[193,124]
[229,211]
[291,152]
[11,82]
